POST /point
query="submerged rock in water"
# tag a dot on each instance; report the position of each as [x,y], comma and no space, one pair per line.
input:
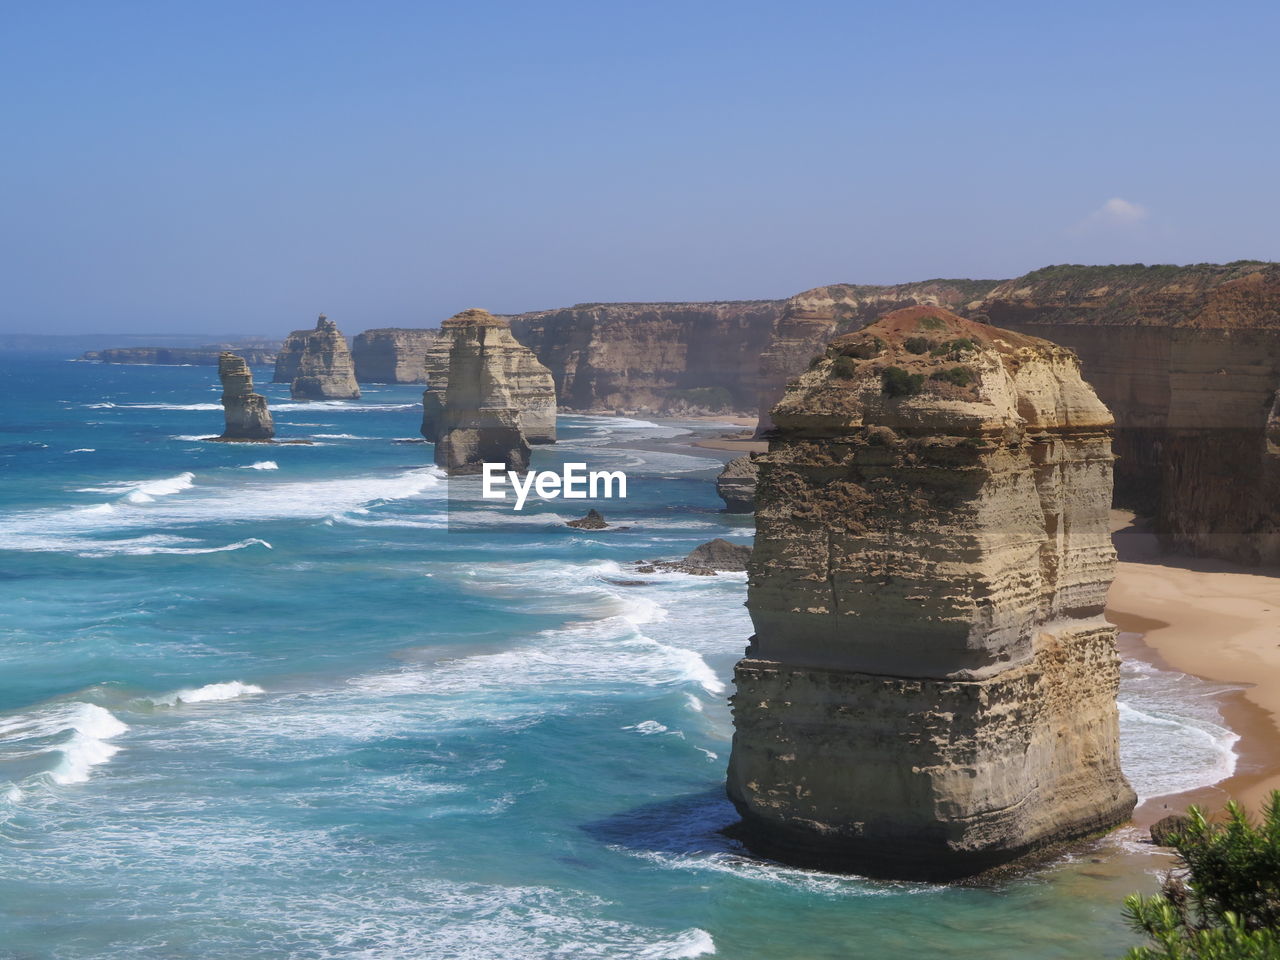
[246,413]
[499,398]
[594,520]
[931,689]
[704,560]
[318,364]
[720,554]
[1165,830]
[736,485]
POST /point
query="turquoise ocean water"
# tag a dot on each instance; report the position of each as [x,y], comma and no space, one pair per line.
[266,701]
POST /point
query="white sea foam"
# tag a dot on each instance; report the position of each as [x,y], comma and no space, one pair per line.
[83,450]
[346,406]
[157,406]
[160,544]
[82,529]
[262,465]
[1173,737]
[76,732]
[145,491]
[691,943]
[647,727]
[209,693]
[341,436]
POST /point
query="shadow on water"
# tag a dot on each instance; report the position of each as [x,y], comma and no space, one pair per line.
[684,826]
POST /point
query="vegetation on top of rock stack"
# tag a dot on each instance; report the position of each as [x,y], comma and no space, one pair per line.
[1224,902]
[896,382]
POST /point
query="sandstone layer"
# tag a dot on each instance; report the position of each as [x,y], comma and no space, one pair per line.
[392,355]
[1188,358]
[317,364]
[435,366]
[246,413]
[660,357]
[930,691]
[499,398]
[736,485]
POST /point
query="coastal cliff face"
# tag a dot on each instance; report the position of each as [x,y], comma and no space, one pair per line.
[931,688]
[392,355]
[1188,358]
[808,320]
[317,364]
[206,356]
[499,398]
[247,417]
[653,356]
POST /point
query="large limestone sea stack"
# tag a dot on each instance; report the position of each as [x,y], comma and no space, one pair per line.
[499,398]
[931,688]
[317,364]
[247,416]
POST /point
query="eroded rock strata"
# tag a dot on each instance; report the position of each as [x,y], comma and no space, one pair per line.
[392,355]
[810,319]
[435,365]
[317,364]
[499,398]
[1188,359]
[246,413]
[736,485]
[930,691]
[652,356]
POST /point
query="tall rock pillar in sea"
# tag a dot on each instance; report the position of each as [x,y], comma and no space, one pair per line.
[931,688]
[435,365]
[247,416]
[499,398]
[317,364]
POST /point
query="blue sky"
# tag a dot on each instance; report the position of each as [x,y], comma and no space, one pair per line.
[210,167]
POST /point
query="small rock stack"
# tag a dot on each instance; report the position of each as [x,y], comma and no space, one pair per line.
[498,400]
[246,412]
[317,364]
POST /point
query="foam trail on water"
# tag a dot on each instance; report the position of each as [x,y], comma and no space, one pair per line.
[209,693]
[262,465]
[691,943]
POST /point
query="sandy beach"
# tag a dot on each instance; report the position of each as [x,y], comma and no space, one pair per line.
[737,444]
[1216,621]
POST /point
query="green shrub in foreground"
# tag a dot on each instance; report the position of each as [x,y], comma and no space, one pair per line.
[1224,901]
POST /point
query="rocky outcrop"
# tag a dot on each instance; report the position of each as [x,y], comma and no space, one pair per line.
[652,356]
[593,520]
[930,691]
[499,398]
[257,353]
[247,416]
[317,364]
[705,560]
[808,320]
[1165,831]
[736,485]
[1188,358]
[392,355]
